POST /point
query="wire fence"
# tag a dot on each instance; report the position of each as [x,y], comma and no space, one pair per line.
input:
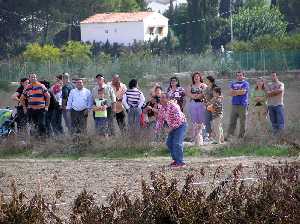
[136,66]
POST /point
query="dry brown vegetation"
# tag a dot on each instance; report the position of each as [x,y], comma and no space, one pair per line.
[274,197]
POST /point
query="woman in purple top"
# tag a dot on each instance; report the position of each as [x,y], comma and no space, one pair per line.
[176,92]
[197,106]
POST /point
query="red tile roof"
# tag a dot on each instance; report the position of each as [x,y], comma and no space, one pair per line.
[117,17]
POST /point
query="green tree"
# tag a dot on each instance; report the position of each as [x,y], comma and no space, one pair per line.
[290,9]
[204,23]
[40,54]
[250,23]
[77,53]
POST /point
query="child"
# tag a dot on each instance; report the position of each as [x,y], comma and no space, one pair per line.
[216,107]
[100,114]
[151,108]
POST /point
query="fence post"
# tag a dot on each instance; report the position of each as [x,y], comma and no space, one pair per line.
[49,65]
[264,58]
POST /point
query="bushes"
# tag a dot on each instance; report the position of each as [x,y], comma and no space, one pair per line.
[250,23]
[267,42]
[273,198]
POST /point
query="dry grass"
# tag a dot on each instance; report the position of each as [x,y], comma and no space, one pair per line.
[272,197]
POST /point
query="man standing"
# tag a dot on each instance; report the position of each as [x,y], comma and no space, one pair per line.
[119,89]
[79,102]
[66,89]
[239,91]
[275,91]
[109,94]
[35,102]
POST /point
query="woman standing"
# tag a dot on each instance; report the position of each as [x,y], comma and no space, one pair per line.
[170,113]
[21,119]
[176,92]
[210,81]
[197,106]
[259,106]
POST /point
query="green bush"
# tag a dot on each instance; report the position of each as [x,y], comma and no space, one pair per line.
[267,42]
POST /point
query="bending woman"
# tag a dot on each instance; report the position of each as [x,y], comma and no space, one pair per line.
[170,113]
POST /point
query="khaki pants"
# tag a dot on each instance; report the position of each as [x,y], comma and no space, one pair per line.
[217,129]
[197,134]
[238,112]
[259,119]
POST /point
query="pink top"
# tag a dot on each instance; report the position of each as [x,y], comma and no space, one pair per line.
[172,114]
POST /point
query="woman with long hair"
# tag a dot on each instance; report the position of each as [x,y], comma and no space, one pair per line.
[259,106]
[176,92]
[211,84]
[197,106]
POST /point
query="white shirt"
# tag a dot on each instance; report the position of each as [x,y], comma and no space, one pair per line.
[80,100]
[58,97]
[140,100]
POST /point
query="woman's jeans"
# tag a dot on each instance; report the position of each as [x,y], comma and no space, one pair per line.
[175,143]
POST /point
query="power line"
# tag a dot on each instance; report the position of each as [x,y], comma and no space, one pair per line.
[170,25]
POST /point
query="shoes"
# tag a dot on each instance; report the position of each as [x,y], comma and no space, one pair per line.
[173,163]
[178,165]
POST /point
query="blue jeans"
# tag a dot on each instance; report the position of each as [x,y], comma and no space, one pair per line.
[175,143]
[276,114]
[101,125]
[134,116]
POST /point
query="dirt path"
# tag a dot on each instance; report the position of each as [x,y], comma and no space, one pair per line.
[102,176]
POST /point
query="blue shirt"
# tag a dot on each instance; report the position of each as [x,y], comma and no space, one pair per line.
[241,100]
[80,100]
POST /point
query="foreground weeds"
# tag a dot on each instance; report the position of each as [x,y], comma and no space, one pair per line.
[274,197]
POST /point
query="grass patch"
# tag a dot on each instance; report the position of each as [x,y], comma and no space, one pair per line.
[15,153]
[252,150]
[125,153]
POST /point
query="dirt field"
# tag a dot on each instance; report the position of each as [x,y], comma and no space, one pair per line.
[102,176]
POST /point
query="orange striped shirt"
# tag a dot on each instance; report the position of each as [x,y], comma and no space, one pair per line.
[37,96]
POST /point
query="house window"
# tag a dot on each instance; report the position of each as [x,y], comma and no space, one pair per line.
[106,31]
[151,30]
[160,30]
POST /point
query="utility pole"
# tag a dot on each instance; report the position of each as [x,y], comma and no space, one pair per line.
[231,22]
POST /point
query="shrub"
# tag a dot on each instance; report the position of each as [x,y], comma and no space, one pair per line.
[273,198]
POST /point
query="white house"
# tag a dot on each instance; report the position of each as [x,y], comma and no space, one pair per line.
[124,28]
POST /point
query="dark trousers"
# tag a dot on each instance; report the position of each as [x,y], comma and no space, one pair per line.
[54,122]
[37,118]
[110,121]
[21,118]
[238,112]
[120,117]
[79,121]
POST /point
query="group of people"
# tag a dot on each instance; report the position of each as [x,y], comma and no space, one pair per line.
[44,105]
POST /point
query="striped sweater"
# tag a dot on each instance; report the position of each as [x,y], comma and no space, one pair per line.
[36,95]
[133,98]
